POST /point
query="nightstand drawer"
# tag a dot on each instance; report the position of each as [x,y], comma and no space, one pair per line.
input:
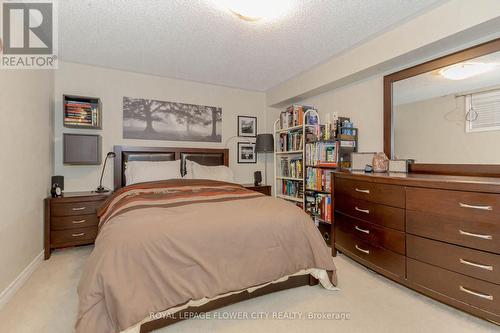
[74,222]
[74,235]
[77,208]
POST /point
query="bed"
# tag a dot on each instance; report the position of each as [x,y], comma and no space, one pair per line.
[173,247]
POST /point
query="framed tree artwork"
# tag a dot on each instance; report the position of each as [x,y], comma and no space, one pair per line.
[247,126]
[246,153]
[150,119]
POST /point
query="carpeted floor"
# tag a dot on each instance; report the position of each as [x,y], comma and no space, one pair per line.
[48,303]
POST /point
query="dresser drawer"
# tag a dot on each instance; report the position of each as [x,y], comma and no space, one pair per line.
[478,207]
[388,261]
[478,235]
[74,235]
[387,216]
[477,293]
[72,222]
[392,195]
[473,263]
[79,208]
[371,233]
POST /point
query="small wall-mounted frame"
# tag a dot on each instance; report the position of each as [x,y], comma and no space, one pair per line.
[81,112]
[246,152]
[247,126]
[81,149]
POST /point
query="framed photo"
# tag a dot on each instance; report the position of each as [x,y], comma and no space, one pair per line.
[246,152]
[247,126]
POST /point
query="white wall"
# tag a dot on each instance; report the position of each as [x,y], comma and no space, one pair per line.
[26,166]
[112,85]
[433,131]
[363,103]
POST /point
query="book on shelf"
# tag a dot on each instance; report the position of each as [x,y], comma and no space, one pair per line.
[318,179]
[292,188]
[321,153]
[291,167]
[348,143]
[290,141]
[294,116]
[319,206]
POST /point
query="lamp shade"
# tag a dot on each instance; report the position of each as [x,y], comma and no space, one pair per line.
[265,143]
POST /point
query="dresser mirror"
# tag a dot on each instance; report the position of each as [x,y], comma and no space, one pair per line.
[445,113]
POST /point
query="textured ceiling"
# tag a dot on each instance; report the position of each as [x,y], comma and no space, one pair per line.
[197,40]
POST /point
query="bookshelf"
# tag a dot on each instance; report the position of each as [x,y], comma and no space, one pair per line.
[81,112]
[307,152]
[290,130]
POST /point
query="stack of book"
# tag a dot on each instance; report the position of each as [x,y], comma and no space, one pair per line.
[293,116]
[291,141]
[291,167]
[321,154]
[319,206]
[318,179]
[77,113]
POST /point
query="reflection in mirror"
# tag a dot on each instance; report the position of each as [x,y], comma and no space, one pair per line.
[450,115]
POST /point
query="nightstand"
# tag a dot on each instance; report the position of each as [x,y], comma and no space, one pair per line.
[71,220]
[264,189]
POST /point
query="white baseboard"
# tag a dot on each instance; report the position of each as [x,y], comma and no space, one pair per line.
[20,280]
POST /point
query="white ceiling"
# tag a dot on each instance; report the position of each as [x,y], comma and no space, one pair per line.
[196,40]
[432,84]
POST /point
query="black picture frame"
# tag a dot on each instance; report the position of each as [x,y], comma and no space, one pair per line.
[242,128]
[252,158]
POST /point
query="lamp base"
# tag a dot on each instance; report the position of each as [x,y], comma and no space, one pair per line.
[101,189]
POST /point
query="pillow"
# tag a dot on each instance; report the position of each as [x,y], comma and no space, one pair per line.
[220,172]
[148,171]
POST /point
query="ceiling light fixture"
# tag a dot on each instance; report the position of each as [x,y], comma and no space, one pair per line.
[465,70]
[255,10]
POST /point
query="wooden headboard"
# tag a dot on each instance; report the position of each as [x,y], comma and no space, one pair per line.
[204,156]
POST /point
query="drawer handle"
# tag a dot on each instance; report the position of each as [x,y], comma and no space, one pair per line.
[475,207]
[361,250]
[78,235]
[362,191]
[362,230]
[79,221]
[366,211]
[465,233]
[475,293]
[466,262]
[78,208]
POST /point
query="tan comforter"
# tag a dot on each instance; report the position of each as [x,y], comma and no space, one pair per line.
[162,244]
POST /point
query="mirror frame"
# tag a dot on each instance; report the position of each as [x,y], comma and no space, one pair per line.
[482,170]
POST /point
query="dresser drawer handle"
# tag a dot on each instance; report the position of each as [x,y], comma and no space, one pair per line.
[79,221]
[475,207]
[466,262]
[78,235]
[366,211]
[475,293]
[465,233]
[362,230]
[78,208]
[362,250]
[362,191]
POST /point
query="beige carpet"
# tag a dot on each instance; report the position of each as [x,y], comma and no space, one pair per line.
[48,303]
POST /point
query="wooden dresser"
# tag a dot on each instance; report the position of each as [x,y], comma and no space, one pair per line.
[71,220]
[439,235]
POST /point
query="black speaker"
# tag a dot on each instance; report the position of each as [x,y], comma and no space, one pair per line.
[257,176]
[58,180]
[57,186]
